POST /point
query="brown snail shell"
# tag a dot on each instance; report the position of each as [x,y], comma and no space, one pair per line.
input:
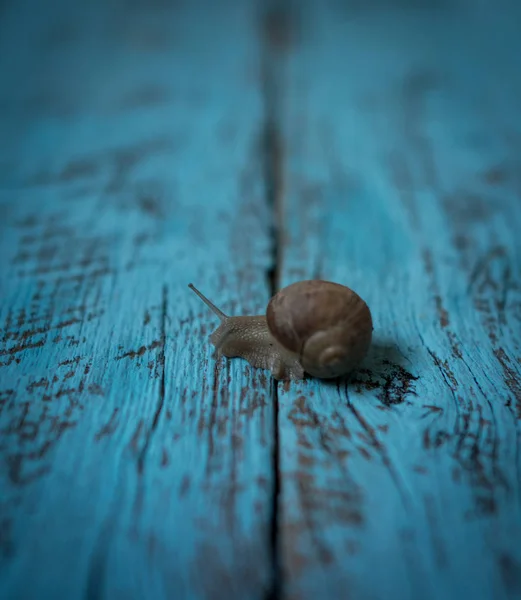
[326,324]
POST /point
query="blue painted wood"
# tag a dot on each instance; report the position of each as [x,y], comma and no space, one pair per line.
[149,145]
[131,465]
[402,130]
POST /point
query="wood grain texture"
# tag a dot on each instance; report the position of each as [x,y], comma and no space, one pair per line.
[132,466]
[401,179]
[243,145]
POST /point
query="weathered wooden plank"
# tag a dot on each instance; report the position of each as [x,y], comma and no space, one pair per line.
[131,465]
[401,179]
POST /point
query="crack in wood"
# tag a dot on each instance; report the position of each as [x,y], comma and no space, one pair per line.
[162,385]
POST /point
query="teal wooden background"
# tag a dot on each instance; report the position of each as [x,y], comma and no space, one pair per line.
[244,146]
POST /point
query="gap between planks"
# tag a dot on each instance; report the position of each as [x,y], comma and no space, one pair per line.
[276,25]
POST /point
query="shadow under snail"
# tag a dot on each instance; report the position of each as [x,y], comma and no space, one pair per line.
[316,327]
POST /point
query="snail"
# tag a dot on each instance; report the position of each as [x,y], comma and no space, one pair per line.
[316,327]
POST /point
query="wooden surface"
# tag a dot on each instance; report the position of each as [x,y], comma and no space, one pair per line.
[242,147]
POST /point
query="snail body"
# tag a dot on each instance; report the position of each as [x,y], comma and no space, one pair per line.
[313,326]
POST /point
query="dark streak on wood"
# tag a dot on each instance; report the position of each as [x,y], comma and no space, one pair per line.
[495,175]
[119,162]
[161,366]
[510,569]
[279,28]
[140,351]
[512,378]
[109,428]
